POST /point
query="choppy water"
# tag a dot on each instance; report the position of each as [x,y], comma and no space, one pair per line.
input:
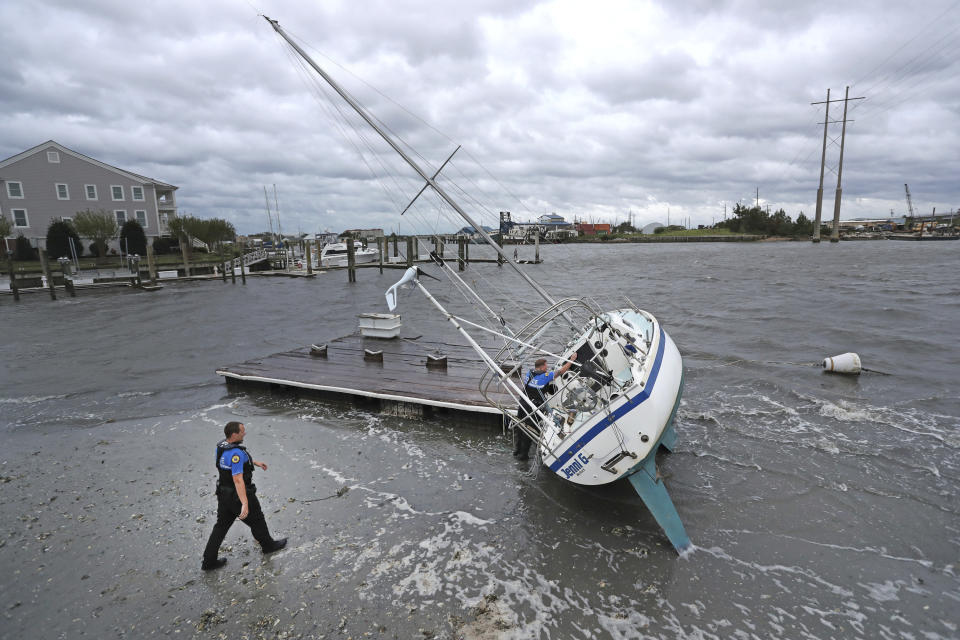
[820,506]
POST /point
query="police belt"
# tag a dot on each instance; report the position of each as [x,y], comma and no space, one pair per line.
[231,491]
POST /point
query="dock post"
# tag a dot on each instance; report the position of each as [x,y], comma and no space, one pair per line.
[442,244]
[499,242]
[223,266]
[67,280]
[409,251]
[309,260]
[396,252]
[466,252]
[46,271]
[461,253]
[13,276]
[151,265]
[381,247]
[186,260]
[243,270]
[351,261]
[536,256]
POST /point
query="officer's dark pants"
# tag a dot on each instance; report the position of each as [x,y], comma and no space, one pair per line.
[228,509]
[521,443]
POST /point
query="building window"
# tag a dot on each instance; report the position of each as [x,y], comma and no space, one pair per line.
[121,216]
[116,192]
[53,156]
[137,193]
[91,191]
[20,218]
[141,216]
[15,190]
[63,191]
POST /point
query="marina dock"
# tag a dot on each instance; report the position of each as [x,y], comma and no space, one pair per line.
[385,375]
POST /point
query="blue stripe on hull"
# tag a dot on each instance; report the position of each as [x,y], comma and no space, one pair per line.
[624,409]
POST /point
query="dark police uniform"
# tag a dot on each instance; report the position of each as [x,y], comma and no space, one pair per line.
[231,460]
[534,386]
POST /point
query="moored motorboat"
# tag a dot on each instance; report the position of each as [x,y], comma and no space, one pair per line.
[335,255]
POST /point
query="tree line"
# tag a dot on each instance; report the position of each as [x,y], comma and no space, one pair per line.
[756,220]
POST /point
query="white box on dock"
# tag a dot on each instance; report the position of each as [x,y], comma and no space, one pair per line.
[379,325]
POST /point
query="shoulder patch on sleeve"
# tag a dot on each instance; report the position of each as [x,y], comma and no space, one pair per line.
[235,459]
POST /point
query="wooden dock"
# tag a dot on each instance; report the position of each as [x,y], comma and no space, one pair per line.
[400,384]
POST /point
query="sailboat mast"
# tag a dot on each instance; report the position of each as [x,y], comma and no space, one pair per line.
[410,161]
[273,238]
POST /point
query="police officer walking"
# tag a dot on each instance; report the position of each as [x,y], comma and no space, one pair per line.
[237,497]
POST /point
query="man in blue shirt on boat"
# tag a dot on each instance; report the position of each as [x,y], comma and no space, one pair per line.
[237,497]
[534,385]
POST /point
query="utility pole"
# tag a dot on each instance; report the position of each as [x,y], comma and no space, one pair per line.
[823,158]
[835,233]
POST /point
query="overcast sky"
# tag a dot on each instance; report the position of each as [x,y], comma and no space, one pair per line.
[591,110]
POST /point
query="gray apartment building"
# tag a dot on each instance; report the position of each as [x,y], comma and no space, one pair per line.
[50,182]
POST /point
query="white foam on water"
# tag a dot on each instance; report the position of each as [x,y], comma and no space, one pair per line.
[888,591]
[31,399]
[469,518]
[133,394]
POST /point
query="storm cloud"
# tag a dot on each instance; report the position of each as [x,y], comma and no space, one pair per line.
[589,110]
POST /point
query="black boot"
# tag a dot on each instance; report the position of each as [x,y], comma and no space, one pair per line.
[210,566]
[275,545]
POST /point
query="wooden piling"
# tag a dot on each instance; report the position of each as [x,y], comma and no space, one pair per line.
[410,254]
[309,260]
[536,256]
[67,280]
[499,241]
[45,265]
[396,252]
[13,277]
[186,260]
[381,247]
[461,253]
[351,261]
[151,265]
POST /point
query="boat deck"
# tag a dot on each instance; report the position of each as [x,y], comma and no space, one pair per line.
[400,384]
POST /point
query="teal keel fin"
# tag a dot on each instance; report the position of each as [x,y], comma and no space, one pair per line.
[655,496]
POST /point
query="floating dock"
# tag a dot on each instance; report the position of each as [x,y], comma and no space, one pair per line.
[386,375]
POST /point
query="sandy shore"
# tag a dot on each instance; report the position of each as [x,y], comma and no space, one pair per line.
[104,529]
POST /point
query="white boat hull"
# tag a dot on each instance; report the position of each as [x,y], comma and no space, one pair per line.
[614,442]
[362,256]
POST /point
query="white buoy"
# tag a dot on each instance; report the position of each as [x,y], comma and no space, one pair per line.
[843,363]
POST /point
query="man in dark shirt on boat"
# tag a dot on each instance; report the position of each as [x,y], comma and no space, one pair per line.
[534,385]
[237,497]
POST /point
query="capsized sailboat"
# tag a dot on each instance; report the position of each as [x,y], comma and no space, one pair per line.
[607,415]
